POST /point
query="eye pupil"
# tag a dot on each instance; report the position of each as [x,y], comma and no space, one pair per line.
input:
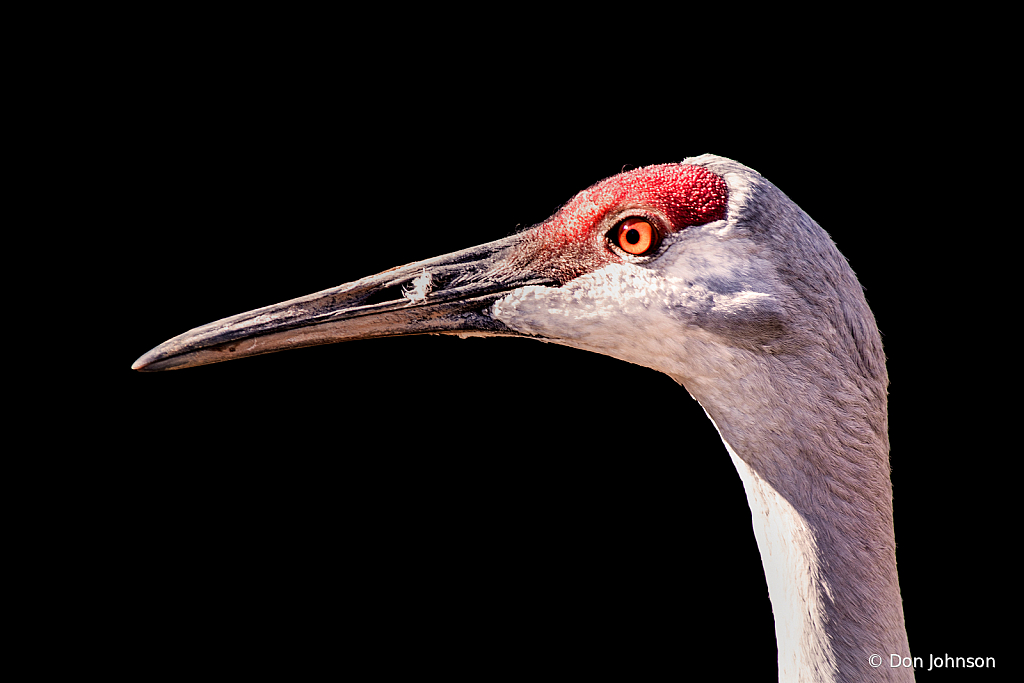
[633,236]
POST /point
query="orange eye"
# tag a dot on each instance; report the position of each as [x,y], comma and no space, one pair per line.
[636,236]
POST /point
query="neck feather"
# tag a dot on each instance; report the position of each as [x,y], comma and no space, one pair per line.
[816,473]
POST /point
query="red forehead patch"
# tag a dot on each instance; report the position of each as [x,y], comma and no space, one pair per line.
[687,195]
[563,246]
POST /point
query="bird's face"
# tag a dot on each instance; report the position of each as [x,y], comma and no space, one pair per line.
[668,283]
[648,266]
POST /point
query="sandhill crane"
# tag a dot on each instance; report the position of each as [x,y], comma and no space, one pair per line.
[707,272]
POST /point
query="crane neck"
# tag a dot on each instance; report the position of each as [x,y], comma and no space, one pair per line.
[815,470]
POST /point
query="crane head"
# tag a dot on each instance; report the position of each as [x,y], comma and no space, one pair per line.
[693,269]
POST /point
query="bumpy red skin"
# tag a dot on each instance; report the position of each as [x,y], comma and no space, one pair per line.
[572,242]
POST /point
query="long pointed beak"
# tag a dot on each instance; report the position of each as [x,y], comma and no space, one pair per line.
[447,294]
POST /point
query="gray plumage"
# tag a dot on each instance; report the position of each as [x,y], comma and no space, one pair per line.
[819,439]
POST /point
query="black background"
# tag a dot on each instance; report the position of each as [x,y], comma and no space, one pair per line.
[482,506]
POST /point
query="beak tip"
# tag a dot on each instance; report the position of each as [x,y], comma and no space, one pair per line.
[152,361]
[162,358]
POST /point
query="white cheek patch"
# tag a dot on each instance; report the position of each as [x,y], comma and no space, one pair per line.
[672,317]
[608,297]
[620,311]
